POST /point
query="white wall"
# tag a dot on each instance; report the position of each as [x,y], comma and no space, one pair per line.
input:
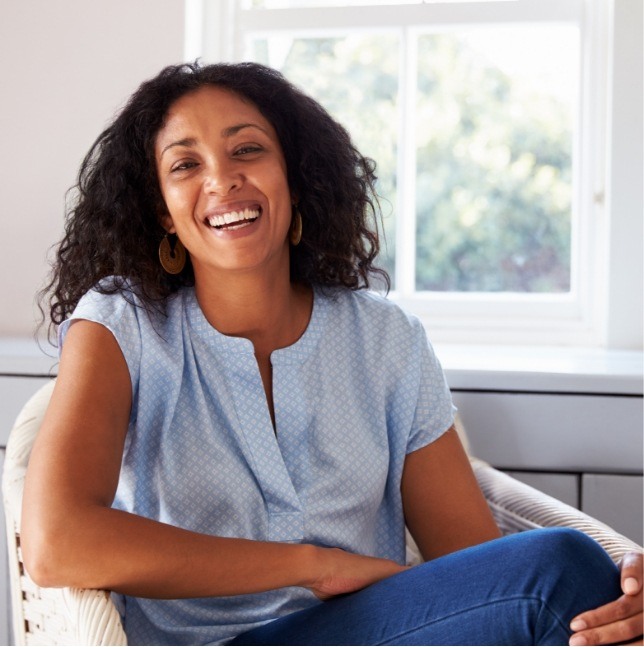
[67,66]
[626,175]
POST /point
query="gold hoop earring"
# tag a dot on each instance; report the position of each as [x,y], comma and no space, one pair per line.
[295,235]
[172,254]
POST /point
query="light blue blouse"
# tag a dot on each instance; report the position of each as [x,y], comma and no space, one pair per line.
[359,390]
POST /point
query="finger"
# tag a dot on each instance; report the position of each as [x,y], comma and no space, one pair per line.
[631,573]
[614,633]
[625,606]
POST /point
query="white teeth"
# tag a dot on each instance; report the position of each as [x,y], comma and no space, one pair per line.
[233,216]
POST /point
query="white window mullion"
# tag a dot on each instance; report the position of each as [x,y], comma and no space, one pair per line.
[194,28]
[406,172]
[590,227]
[212,30]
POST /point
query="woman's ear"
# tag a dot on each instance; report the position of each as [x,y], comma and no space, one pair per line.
[167,223]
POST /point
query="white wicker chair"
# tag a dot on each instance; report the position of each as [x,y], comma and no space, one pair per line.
[47,616]
[88,617]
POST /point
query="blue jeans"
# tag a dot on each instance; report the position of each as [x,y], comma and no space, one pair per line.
[522,589]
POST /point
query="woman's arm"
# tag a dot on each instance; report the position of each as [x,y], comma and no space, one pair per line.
[444,508]
[72,537]
[445,511]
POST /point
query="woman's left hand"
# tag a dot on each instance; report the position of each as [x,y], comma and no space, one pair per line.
[618,622]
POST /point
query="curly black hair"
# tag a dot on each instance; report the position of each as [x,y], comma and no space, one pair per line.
[113,227]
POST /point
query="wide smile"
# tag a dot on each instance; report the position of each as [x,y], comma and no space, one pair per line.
[232,220]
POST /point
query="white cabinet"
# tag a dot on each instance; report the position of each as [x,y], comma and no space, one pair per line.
[617,500]
[585,450]
[567,423]
[555,432]
[564,487]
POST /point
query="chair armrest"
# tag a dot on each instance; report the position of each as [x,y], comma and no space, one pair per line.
[517,506]
[94,617]
[47,616]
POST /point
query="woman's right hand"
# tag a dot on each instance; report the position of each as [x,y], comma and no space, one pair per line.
[342,572]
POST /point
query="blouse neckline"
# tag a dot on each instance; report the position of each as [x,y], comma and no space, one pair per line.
[297,352]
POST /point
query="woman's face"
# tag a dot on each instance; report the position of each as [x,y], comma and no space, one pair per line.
[223,177]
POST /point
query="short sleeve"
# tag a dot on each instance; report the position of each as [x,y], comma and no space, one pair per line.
[434,408]
[120,316]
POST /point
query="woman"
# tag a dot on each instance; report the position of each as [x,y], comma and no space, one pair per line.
[240,432]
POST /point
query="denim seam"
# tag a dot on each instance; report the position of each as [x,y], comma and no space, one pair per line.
[546,607]
[478,606]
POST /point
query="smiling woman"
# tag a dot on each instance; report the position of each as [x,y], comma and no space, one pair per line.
[224,182]
[232,443]
[119,201]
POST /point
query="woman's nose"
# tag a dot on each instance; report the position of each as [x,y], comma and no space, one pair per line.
[222,179]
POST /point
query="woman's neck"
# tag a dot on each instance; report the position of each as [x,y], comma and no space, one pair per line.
[271,312]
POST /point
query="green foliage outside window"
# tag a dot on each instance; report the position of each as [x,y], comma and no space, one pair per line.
[493,158]
[493,197]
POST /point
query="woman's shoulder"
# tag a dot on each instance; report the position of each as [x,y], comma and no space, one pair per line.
[138,325]
[110,298]
[115,298]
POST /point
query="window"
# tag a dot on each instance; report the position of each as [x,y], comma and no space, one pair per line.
[484,121]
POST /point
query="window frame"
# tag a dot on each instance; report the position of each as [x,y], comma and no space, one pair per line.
[215,30]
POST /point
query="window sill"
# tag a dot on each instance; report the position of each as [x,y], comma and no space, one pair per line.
[467,367]
[542,369]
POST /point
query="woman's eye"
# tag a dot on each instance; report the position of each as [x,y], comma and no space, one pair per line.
[183,166]
[248,149]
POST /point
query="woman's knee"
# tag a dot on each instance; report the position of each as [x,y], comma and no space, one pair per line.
[568,557]
[569,546]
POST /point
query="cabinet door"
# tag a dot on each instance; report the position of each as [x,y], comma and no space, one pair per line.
[564,487]
[554,432]
[615,499]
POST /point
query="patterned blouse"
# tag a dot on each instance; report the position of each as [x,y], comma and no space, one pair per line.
[358,391]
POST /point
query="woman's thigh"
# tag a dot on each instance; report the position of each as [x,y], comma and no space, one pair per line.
[519,590]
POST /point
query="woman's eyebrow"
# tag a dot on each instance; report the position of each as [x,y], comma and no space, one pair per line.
[233,130]
[188,141]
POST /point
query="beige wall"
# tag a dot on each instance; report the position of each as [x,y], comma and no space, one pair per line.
[67,65]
